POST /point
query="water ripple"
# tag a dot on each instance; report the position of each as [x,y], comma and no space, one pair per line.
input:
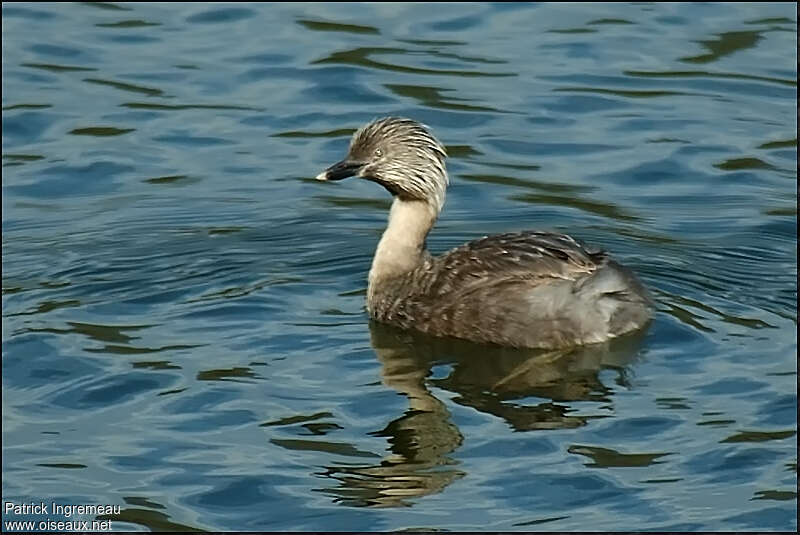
[184,332]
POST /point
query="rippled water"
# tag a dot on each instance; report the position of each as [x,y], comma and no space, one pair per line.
[184,331]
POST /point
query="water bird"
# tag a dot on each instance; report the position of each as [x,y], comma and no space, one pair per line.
[528,289]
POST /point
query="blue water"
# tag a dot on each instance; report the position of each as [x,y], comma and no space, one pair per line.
[184,332]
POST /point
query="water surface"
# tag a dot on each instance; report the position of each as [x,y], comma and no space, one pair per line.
[184,331]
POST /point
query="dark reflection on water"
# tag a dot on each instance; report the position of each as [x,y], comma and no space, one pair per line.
[322,26]
[484,378]
[362,57]
[145,516]
[606,458]
[184,332]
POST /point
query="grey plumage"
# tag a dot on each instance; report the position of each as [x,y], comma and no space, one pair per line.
[525,289]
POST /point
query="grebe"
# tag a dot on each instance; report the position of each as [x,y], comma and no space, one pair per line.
[524,289]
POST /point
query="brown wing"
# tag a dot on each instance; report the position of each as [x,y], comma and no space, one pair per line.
[478,290]
[507,257]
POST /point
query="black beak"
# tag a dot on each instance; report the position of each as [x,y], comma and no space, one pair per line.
[338,171]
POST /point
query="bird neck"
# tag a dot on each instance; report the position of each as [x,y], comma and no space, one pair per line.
[402,246]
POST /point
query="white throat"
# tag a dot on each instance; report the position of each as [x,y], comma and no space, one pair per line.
[402,246]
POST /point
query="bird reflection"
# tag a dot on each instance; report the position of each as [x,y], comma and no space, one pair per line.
[523,387]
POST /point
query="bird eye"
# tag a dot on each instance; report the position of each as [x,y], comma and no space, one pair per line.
[378,152]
